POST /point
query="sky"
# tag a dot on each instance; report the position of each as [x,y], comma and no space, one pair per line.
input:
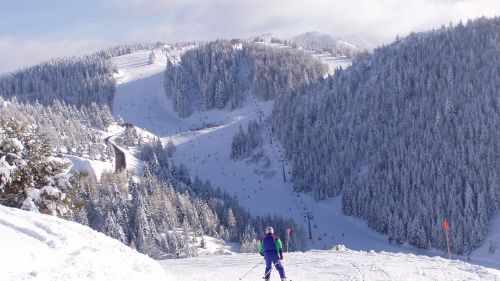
[32,31]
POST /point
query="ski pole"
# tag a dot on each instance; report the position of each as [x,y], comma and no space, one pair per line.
[268,271]
[272,264]
[251,269]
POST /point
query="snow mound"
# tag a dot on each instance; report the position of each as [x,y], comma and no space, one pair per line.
[214,246]
[94,167]
[330,266]
[41,247]
[339,248]
[316,40]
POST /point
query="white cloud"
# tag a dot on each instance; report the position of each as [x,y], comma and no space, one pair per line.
[129,21]
[381,20]
[15,54]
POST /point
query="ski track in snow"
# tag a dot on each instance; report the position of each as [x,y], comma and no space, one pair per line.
[140,100]
[331,266]
[42,247]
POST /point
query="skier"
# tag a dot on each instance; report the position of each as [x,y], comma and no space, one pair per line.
[270,247]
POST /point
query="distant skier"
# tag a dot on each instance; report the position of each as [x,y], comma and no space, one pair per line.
[270,247]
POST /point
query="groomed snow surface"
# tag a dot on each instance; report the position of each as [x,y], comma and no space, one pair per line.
[41,247]
[329,266]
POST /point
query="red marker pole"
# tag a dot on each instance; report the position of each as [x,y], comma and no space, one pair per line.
[288,238]
[446,225]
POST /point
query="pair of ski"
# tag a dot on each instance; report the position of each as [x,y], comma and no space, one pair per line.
[241,278]
[269,271]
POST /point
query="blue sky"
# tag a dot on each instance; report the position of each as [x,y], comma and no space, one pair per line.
[32,31]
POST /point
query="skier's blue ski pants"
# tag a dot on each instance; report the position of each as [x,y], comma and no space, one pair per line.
[271,258]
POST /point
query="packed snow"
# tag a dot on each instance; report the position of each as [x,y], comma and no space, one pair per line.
[42,247]
[489,253]
[329,265]
[203,142]
[140,97]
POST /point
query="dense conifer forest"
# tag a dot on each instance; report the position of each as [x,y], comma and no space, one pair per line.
[408,136]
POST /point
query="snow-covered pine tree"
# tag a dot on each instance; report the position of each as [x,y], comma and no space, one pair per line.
[77,81]
[249,241]
[218,75]
[407,136]
[152,57]
[170,148]
[244,144]
[31,179]
[130,136]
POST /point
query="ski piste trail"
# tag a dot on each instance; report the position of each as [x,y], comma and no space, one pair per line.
[203,142]
[320,265]
[46,248]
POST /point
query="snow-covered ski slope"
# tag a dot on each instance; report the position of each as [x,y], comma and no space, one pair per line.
[333,62]
[203,143]
[330,266]
[140,96]
[42,247]
[489,253]
[45,248]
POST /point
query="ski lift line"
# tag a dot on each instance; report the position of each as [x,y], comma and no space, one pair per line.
[309,216]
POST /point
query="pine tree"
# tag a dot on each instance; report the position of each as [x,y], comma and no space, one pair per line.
[170,149]
[249,242]
[32,180]
[406,136]
[203,243]
[152,57]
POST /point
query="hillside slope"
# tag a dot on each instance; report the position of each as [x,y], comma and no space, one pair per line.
[203,143]
[41,247]
[205,151]
[408,136]
[320,42]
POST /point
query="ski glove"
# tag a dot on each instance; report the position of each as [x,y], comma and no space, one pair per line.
[281,255]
